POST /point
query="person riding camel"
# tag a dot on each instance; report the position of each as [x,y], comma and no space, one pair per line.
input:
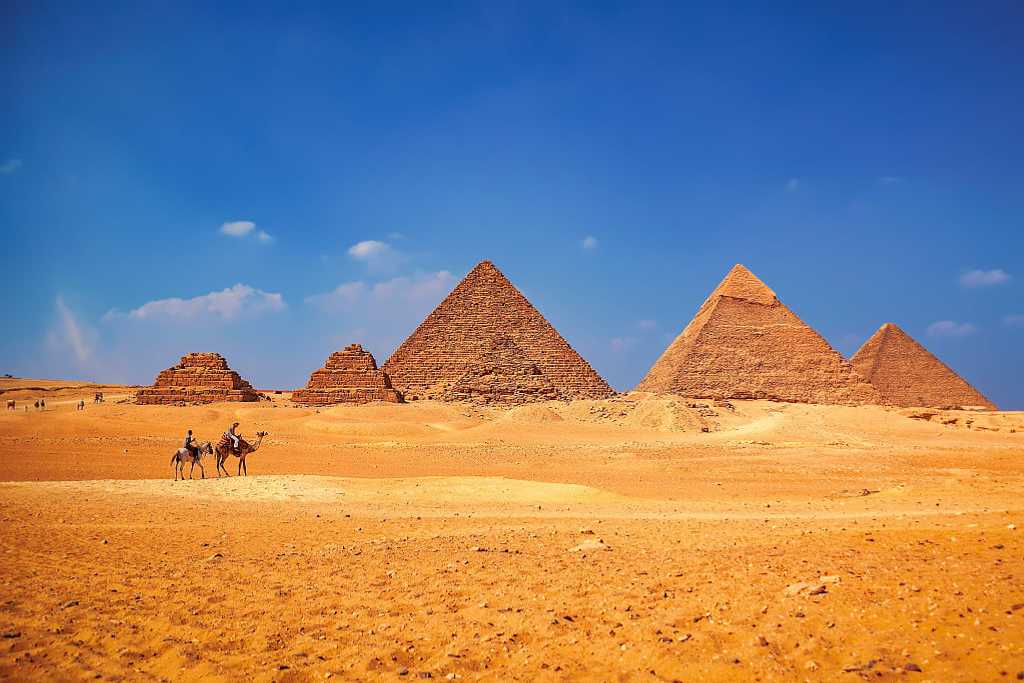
[232,435]
[190,445]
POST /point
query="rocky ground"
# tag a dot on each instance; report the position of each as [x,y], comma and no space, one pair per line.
[637,538]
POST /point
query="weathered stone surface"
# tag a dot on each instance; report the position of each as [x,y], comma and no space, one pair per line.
[745,343]
[197,378]
[906,374]
[455,337]
[349,376]
[503,375]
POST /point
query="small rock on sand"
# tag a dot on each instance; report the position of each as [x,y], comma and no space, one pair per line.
[589,546]
[806,588]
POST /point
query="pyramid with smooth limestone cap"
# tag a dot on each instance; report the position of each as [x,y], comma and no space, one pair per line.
[465,328]
[745,343]
[907,374]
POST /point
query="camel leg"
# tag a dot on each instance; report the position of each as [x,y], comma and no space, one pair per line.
[202,470]
[191,469]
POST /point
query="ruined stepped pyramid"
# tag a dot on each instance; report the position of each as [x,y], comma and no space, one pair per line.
[907,374]
[745,343]
[503,375]
[348,376]
[197,378]
[454,339]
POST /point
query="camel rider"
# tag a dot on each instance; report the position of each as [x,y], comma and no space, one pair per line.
[190,445]
[232,435]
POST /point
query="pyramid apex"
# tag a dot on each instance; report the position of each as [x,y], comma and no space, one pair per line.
[740,283]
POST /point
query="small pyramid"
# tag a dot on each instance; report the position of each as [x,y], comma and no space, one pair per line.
[504,375]
[907,374]
[197,378]
[348,376]
[465,326]
[745,343]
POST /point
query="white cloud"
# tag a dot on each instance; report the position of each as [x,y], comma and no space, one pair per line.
[10,166]
[793,184]
[377,256]
[621,344]
[229,304]
[397,292]
[69,334]
[589,242]
[647,324]
[984,278]
[237,228]
[368,250]
[1014,320]
[950,328]
[264,237]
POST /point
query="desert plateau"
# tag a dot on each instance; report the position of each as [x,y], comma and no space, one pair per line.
[639,537]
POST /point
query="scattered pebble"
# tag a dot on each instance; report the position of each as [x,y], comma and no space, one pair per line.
[590,545]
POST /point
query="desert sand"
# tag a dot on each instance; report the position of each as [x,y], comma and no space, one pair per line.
[632,538]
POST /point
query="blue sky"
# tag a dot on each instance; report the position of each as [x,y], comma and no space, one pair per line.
[273,183]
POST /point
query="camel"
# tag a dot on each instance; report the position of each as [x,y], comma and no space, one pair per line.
[10,405]
[224,450]
[183,455]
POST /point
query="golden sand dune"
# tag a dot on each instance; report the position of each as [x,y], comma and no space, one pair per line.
[595,540]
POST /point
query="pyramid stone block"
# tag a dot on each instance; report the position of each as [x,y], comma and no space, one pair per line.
[349,376]
[907,374]
[464,327]
[503,375]
[197,378]
[745,343]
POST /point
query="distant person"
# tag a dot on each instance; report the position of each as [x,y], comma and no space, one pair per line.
[37,404]
[190,445]
[232,434]
[42,404]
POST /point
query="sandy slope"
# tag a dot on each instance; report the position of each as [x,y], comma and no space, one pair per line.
[401,541]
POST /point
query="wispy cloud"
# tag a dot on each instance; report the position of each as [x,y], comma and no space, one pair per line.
[793,184]
[70,334]
[950,328]
[225,305]
[10,166]
[377,256]
[264,237]
[399,292]
[984,278]
[589,242]
[1014,320]
[621,344]
[237,228]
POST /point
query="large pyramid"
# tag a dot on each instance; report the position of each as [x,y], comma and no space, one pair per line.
[465,328]
[907,374]
[197,378]
[745,343]
[505,375]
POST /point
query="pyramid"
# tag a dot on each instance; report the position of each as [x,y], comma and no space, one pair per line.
[907,374]
[503,375]
[197,378]
[348,376]
[465,326]
[745,343]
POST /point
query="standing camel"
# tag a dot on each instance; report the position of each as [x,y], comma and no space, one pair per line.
[10,405]
[224,450]
[183,455]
